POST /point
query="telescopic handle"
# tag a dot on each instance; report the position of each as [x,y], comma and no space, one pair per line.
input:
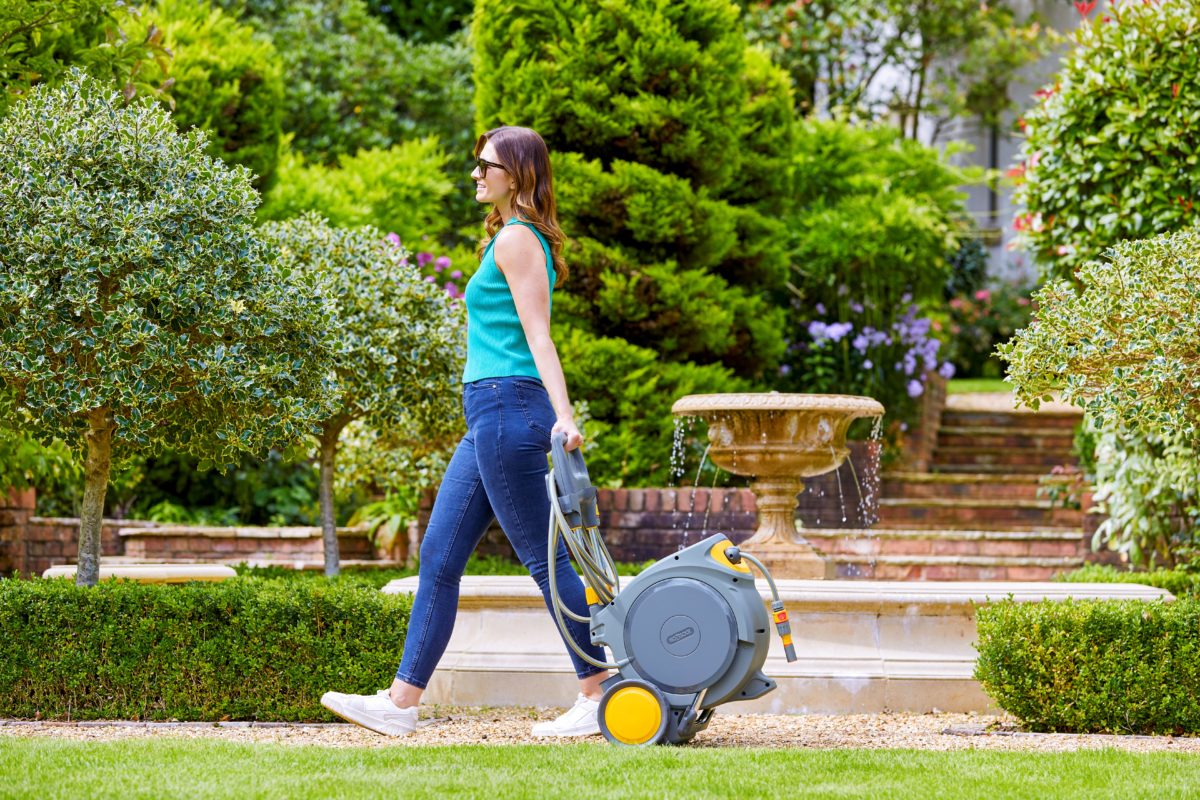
[576,495]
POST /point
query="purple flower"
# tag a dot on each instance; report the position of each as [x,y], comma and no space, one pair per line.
[856,307]
[837,330]
[915,389]
[457,274]
[394,238]
[818,330]
[821,309]
[450,288]
[442,263]
[946,370]
[424,258]
[785,370]
[868,364]
[430,279]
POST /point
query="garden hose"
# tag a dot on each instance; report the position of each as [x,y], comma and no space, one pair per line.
[778,612]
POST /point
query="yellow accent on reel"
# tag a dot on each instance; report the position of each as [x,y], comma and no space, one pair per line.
[590,595]
[633,715]
[718,555]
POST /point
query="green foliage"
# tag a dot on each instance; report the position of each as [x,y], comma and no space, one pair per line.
[225,78]
[932,60]
[133,281]
[975,323]
[353,84]
[873,221]
[40,40]
[1148,485]
[245,648]
[1111,150]
[1123,344]
[1177,582]
[402,189]
[1093,666]
[629,393]
[423,20]
[399,352]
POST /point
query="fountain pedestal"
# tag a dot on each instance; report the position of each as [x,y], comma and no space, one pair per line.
[778,440]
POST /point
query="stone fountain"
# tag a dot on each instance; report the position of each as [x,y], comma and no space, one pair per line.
[778,440]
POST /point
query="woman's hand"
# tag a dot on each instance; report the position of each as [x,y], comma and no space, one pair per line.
[567,427]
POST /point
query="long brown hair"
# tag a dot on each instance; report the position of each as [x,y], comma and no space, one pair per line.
[525,157]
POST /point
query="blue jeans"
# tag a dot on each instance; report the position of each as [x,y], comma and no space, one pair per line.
[498,471]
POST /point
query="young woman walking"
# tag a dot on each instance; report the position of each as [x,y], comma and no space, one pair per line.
[515,398]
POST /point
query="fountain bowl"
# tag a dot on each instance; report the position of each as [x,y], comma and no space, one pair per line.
[779,440]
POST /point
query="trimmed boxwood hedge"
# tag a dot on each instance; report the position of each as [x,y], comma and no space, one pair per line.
[244,649]
[1094,666]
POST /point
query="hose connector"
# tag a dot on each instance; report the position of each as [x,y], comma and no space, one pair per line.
[784,628]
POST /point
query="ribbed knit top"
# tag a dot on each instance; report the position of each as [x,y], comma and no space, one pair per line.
[496,345]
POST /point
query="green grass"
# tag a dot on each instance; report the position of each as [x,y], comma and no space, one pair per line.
[974,385]
[196,769]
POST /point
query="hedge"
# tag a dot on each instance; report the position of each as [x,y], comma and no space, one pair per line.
[248,649]
[1175,581]
[1098,666]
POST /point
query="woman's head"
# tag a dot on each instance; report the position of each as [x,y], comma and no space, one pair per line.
[514,171]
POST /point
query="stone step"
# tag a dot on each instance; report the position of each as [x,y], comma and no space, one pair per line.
[1001,456]
[968,485]
[1004,470]
[954,568]
[968,546]
[924,512]
[1023,438]
[1010,419]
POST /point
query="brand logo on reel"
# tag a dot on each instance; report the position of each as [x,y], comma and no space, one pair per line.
[679,636]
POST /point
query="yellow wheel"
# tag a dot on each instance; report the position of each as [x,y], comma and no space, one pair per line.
[633,713]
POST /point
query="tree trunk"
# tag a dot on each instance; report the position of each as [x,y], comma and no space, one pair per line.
[95,484]
[329,443]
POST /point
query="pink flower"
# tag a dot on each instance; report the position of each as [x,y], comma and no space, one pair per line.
[393,238]
[1084,8]
[457,274]
[983,295]
[424,258]
[442,262]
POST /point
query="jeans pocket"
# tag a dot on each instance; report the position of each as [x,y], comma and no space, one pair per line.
[535,406]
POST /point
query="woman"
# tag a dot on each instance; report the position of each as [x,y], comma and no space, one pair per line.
[515,399]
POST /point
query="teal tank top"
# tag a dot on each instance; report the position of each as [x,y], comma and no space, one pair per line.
[496,346]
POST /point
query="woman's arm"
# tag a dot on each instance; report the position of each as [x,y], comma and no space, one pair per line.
[520,256]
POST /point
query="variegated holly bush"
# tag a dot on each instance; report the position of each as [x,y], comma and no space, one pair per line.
[400,343]
[139,307]
[1112,149]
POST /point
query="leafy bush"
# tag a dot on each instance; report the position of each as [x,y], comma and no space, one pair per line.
[665,146]
[242,649]
[1177,582]
[401,189]
[1111,151]
[423,20]
[975,324]
[138,306]
[1094,666]
[874,219]
[226,80]
[353,84]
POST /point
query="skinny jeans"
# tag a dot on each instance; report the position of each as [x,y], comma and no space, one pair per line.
[498,471]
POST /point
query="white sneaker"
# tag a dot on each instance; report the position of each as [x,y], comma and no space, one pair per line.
[579,720]
[374,712]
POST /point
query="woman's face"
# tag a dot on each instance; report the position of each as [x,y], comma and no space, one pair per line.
[496,186]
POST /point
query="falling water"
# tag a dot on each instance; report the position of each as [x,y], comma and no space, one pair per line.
[687,522]
[711,490]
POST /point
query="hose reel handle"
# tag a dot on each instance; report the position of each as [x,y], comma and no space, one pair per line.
[576,495]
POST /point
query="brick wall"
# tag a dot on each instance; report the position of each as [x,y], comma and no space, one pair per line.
[180,543]
[31,545]
[916,454]
[641,524]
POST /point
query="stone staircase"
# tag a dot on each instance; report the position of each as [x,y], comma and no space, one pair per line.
[983,511]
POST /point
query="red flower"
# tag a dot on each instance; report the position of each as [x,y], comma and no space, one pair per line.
[1084,8]
[1016,172]
[1174,90]
[1021,123]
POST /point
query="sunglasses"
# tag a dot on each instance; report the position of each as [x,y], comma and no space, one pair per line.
[483,165]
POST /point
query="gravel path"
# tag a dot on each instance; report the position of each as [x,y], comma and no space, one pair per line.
[501,726]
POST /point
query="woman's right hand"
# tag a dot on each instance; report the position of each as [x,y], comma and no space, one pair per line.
[567,427]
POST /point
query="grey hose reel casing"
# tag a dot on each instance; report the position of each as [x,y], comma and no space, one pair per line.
[694,626]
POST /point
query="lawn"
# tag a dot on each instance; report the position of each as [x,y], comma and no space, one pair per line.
[197,768]
[974,385]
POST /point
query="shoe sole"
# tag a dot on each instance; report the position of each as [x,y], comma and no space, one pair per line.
[361,724]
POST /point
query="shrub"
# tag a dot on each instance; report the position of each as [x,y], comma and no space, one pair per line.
[1177,582]
[423,20]
[241,649]
[353,84]
[1112,148]
[1094,666]
[402,189]
[399,342]
[138,306]
[660,144]
[226,80]
[976,323]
